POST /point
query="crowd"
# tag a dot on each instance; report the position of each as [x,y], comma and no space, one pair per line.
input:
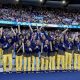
[41,16]
[39,50]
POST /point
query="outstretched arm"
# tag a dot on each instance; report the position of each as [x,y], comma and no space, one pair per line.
[1,30]
[13,31]
[63,32]
[19,29]
[31,28]
[23,47]
[42,48]
[50,46]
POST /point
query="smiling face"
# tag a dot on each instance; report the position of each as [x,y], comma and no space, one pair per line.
[62,40]
[46,42]
[43,37]
[78,40]
[26,37]
[37,42]
[21,36]
[69,39]
[28,43]
[9,40]
[53,41]
[20,42]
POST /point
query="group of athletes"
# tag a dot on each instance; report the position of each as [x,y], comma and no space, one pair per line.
[40,50]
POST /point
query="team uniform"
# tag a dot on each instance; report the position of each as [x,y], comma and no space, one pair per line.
[60,55]
[7,54]
[37,51]
[40,51]
[77,55]
[1,51]
[46,52]
[27,57]
[19,55]
[52,55]
[68,54]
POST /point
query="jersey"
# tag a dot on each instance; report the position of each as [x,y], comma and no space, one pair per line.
[18,49]
[7,48]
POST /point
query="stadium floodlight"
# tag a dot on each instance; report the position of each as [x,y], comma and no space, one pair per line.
[64,2]
[41,0]
[17,0]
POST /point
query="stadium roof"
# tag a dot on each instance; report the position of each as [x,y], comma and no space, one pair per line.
[47,3]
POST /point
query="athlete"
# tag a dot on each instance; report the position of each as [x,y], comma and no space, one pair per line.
[19,55]
[69,44]
[46,52]
[61,53]
[37,51]
[77,54]
[28,52]
[7,53]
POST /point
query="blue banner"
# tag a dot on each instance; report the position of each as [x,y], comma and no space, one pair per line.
[38,24]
